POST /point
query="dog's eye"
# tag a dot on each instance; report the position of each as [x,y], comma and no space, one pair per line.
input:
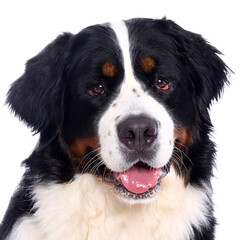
[98,90]
[162,83]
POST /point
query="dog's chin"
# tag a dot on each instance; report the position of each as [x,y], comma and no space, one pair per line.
[140,184]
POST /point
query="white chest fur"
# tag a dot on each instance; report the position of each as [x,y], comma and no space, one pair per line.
[87,209]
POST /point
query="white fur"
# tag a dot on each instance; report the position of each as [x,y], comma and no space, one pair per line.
[127,103]
[87,209]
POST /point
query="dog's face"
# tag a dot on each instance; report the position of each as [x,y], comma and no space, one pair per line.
[124,100]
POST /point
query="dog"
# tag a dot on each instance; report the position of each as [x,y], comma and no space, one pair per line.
[124,152]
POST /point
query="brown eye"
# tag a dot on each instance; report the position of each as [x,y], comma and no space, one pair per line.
[98,90]
[162,84]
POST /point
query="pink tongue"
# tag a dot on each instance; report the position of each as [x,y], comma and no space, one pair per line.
[139,179]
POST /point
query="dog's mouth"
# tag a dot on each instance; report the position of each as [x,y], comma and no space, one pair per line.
[138,182]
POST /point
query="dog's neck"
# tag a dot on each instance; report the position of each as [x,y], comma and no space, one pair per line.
[89,208]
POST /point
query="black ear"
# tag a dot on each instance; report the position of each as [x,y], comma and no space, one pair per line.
[37,96]
[209,73]
[203,65]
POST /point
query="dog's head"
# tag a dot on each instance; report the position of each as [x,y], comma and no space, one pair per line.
[124,101]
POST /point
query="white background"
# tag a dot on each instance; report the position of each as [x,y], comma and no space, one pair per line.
[28,26]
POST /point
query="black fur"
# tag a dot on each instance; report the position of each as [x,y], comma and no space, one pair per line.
[52,98]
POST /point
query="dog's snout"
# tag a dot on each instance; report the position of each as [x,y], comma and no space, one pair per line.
[138,133]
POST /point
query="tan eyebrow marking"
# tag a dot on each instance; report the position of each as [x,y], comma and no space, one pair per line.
[109,69]
[148,64]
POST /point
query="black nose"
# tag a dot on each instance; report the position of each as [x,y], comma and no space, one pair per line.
[138,132]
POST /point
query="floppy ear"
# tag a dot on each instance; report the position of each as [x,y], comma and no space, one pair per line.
[208,71]
[37,96]
[204,66]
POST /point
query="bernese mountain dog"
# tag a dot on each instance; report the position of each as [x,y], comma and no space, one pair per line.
[124,152]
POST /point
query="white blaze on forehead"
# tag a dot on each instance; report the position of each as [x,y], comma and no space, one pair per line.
[130,87]
[121,32]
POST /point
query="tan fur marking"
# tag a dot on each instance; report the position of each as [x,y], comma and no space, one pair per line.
[148,64]
[79,147]
[184,136]
[109,69]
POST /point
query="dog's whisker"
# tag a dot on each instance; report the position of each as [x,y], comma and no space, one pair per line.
[179,160]
[183,145]
[91,161]
[177,164]
[91,152]
[105,170]
[95,168]
[88,166]
[86,156]
[183,153]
